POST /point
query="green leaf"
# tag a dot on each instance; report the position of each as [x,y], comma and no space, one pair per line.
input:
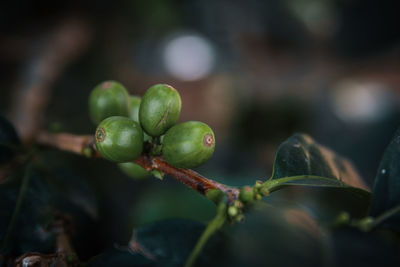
[9,140]
[74,197]
[351,247]
[160,202]
[25,213]
[170,242]
[302,161]
[121,258]
[273,236]
[386,190]
[69,189]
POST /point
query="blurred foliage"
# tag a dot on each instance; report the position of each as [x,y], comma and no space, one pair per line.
[158,203]
[9,140]
[27,212]
[281,62]
[386,191]
[166,219]
[302,161]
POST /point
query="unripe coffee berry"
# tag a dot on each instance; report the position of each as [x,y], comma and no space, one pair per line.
[134,170]
[134,113]
[119,139]
[160,109]
[108,99]
[189,144]
[134,106]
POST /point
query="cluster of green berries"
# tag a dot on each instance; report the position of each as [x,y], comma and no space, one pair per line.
[126,123]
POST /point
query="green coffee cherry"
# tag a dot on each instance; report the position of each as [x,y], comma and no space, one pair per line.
[108,99]
[134,170]
[160,109]
[119,139]
[134,112]
[134,107]
[189,144]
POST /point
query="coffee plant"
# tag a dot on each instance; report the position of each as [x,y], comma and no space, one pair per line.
[254,224]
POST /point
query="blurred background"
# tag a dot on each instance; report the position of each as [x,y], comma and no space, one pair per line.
[255,71]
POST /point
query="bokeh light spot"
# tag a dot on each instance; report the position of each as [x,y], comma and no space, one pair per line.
[188,57]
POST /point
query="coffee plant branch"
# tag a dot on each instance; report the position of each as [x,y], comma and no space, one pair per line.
[84,145]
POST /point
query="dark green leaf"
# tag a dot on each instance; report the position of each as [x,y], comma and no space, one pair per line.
[75,198]
[120,258]
[160,202]
[323,205]
[302,161]
[351,247]
[9,140]
[270,236]
[170,242]
[69,189]
[386,191]
[30,229]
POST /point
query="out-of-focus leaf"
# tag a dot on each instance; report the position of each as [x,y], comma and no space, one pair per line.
[302,161]
[68,187]
[36,213]
[386,190]
[351,247]
[9,140]
[166,243]
[120,258]
[323,205]
[74,198]
[158,203]
[170,242]
[270,236]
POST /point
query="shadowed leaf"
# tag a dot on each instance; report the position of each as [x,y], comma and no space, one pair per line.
[165,243]
[273,236]
[122,258]
[386,191]
[302,161]
[26,230]
[351,247]
[9,140]
[170,242]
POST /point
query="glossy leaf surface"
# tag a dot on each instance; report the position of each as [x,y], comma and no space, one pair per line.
[302,161]
[386,191]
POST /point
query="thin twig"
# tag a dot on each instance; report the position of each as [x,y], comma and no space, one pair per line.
[386,215]
[64,141]
[63,226]
[79,144]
